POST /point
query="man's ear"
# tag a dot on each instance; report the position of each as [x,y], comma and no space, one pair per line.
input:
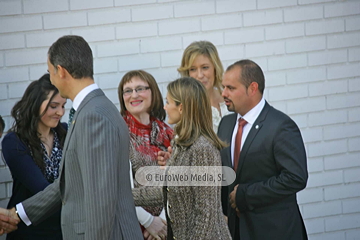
[62,71]
[253,87]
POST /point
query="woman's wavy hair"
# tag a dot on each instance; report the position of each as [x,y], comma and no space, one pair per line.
[196,116]
[26,113]
[157,103]
[202,48]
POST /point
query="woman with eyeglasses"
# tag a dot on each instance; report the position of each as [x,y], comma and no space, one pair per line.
[142,108]
[33,149]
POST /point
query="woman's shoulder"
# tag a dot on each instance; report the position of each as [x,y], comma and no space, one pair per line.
[10,137]
[203,144]
[12,140]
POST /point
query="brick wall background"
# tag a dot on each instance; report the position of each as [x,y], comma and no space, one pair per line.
[308,49]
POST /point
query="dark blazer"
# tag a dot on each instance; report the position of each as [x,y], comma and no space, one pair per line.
[28,180]
[272,169]
[94,183]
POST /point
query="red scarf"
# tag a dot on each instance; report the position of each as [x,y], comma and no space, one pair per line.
[151,138]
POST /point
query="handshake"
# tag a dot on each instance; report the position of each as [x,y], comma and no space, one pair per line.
[8,220]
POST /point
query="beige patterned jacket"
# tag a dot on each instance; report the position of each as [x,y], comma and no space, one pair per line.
[195,211]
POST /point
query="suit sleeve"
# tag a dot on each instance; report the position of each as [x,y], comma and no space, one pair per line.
[290,159]
[148,196]
[22,165]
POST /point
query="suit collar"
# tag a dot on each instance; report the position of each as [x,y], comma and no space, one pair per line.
[82,95]
[91,95]
[227,133]
[254,113]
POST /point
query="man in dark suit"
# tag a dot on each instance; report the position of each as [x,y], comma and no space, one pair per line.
[93,187]
[267,151]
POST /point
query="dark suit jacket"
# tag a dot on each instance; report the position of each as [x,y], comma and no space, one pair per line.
[94,183]
[272,169]
[28,180]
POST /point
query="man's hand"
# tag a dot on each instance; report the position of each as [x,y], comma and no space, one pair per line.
[232,197]
[8,220]
[164,156]
[157,229]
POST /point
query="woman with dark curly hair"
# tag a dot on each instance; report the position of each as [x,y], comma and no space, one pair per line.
[33,149]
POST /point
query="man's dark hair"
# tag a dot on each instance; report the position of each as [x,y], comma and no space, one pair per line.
[74,54]
[250,72]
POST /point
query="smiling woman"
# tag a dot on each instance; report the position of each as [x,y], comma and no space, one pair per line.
[33,150]
[142,108]
[201,61]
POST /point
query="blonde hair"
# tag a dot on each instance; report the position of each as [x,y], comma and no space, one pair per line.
[202,48]
[196,116]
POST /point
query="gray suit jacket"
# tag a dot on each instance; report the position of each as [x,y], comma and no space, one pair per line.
[94,184]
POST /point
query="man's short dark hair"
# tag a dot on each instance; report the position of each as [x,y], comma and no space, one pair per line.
[74,54]
[250,72]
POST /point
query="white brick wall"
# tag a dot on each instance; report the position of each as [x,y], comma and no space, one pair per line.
[303,13]
[12,41]
[10,8]
[327,57]
[188,9]
[308,49]
[109,16]
[44,6]
[136,30]
[342,161]
[235,6]
[262,18]
[324,26]
[151,13]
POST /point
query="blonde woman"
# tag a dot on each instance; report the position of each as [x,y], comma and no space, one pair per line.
[201,61]
[192,212]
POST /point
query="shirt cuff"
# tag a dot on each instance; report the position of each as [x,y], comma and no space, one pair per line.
[22,214]
[144,217]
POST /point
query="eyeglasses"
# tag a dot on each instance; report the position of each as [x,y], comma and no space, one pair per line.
[129,91]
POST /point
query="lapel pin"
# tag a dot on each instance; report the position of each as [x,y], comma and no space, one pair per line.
[73,122]
[257,127]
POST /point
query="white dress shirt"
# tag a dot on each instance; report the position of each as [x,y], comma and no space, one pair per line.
[250,118]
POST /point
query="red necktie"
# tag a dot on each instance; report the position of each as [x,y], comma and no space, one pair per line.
[241,125]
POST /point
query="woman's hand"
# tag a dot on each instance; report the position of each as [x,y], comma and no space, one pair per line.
[164,156]
[156,230]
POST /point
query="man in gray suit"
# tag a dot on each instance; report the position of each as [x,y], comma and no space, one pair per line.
[93,188]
